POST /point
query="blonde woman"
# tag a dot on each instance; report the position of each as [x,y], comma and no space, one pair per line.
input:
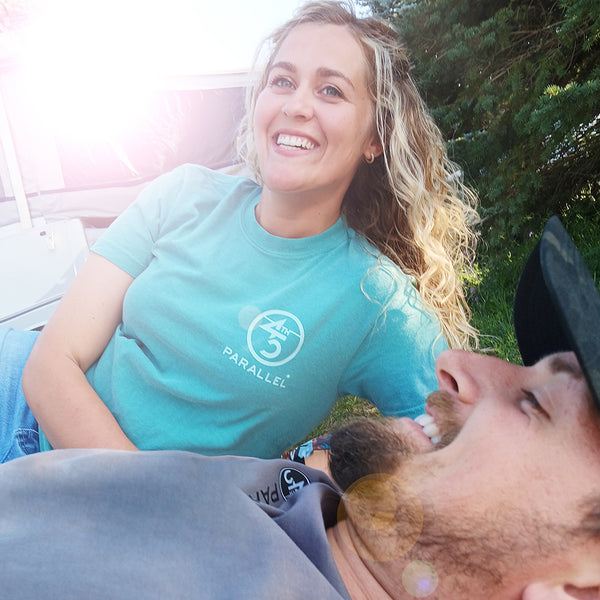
[410,202]
[223,316]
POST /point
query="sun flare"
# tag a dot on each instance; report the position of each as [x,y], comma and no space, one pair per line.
[92,65]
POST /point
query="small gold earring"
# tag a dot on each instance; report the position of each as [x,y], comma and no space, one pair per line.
[371,160]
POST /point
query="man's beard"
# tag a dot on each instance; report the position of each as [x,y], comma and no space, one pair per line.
[367,446]
[364,447]
[366,457]
[463,545]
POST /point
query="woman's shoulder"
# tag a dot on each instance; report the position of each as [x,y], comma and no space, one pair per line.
[192,186]
[375,263]
[232,177]
[385,281]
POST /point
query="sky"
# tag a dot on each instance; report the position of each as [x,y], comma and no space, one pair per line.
[103,57]
[179,36]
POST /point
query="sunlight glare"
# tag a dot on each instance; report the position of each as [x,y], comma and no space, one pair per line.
[92,64]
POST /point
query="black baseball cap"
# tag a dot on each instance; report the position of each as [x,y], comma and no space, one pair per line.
[557,305]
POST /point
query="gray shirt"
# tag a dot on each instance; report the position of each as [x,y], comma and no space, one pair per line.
[164,525]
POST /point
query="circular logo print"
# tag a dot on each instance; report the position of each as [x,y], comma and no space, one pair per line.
[290,481]
[275,337]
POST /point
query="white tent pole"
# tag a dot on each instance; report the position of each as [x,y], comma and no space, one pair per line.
[14,171]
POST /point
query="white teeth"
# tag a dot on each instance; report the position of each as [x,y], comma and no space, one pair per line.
[430,429]
[294,141]
[436,439]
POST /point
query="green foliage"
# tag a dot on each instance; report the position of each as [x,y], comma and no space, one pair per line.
[491,297]
[515,88]
[491,300]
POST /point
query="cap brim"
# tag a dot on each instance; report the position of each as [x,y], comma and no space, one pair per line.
[557,305]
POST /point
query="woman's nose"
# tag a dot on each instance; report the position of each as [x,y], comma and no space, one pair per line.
[299,104]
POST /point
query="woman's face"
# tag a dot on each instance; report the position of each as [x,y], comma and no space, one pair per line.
[313,122]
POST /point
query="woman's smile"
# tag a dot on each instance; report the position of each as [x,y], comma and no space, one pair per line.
[314,119]
[287,141]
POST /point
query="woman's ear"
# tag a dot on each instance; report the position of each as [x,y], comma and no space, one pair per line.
[376,148]
[373,148]
[543,591]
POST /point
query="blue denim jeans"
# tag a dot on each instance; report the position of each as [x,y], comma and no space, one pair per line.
[18,427]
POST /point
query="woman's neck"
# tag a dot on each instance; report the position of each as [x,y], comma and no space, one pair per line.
[295,216]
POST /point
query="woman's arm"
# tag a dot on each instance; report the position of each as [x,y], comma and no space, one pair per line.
[69,412]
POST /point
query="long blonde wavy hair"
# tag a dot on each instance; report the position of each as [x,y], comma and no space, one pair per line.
[410,202]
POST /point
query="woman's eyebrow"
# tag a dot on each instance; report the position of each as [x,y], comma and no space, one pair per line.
[323,72]
[286,66]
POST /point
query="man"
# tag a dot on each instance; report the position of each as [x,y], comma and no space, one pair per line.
[505,504]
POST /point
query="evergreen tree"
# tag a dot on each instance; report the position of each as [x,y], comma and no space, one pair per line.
[515,87]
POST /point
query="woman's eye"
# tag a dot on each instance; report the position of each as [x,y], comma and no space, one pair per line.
[332,91]
[281,82]
[530,402]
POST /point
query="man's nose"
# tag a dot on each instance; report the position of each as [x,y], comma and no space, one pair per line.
[460,372]
[473,376]
[299,104]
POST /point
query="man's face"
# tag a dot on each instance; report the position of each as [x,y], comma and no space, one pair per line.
[504,493]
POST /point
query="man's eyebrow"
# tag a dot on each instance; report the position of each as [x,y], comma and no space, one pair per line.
[559,364]
[323,72]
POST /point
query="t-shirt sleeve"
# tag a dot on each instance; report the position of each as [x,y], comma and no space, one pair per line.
[130,239]
[394,367]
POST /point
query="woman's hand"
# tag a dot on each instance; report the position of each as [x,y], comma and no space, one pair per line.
[68,410]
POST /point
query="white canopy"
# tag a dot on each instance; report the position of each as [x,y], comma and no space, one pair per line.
[76,148]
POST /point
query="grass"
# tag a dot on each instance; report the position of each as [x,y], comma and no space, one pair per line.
[491,300]
[345,409]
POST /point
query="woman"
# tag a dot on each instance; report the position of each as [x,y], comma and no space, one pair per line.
[221,316]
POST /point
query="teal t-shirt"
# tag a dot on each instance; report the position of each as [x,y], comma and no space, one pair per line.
[235,341]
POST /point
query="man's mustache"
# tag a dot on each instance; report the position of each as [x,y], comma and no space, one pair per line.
[446,417]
